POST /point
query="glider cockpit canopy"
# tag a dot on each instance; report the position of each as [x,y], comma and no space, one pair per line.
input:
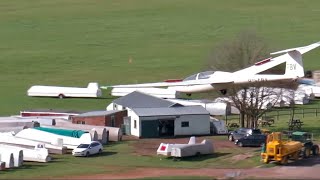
[200,75]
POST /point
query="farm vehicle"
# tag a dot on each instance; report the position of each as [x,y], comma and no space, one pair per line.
[279,150]
[309,148]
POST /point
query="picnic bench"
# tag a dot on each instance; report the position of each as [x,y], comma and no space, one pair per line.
[232,125]
[270,119]
[295,124]
[264,123]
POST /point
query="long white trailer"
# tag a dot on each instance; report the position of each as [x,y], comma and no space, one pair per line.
[99,134]
[54,147]
[38,154]
[69,142]
[92,90]
[115,134]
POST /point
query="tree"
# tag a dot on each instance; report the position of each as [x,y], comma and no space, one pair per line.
[246,49]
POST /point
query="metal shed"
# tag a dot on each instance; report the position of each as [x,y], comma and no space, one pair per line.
[170,121]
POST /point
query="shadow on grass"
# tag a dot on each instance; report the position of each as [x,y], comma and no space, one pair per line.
[25,166]
[308,162]
[200,157]
[103,153]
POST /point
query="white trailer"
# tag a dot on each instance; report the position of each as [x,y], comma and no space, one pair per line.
[205,147]
[92,90]
[38,154]
[113,133]
[41,136]
[10,139]
[218,126]
[184,150]
[165,149]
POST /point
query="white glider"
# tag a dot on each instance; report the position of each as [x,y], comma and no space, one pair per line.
[220,80]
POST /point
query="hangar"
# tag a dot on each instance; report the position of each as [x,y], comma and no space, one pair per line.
[150,117]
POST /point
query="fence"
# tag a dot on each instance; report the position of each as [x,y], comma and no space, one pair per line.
[278,112]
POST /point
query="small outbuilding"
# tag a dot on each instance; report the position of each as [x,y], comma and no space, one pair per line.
[113,118]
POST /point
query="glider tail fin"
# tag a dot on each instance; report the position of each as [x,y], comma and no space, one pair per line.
[294,65]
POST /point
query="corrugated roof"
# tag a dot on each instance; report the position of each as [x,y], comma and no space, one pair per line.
[98,113]
[140,100]
[53,111]
[169,111]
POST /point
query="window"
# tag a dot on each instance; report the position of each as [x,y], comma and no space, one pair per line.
[114,107]
[112,123]
[94,144]
[78,122]
[83,122]
[185,124]
[135,124]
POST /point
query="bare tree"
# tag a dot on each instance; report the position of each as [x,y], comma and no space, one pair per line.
[246,49]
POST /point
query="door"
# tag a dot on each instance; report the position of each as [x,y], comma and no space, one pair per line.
[126,127]
[166,127]
[149,128]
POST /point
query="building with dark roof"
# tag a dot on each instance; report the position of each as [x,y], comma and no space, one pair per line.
[150,116]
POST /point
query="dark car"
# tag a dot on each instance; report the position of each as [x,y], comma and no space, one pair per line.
[251,140]
[241,132]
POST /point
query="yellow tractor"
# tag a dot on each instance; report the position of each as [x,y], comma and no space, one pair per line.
[280,150]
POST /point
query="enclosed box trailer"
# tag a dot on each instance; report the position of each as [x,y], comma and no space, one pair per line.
[92,90]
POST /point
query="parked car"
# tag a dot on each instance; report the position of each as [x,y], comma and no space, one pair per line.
[94,147]
[241,132]
[251,140]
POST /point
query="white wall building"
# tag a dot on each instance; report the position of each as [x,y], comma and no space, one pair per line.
[150,116]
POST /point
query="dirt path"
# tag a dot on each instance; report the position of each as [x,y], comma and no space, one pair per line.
[259,173]
[302,169]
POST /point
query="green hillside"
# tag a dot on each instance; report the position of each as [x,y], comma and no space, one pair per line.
[73,42]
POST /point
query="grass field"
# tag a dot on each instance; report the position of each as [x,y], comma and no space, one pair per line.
[73,42]
[119,157]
